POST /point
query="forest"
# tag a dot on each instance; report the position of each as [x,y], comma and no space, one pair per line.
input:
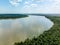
[50,37]
[12,16]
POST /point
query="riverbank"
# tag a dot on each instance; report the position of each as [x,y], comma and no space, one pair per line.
[50,37]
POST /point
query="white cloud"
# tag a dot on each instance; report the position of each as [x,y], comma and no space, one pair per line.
[26,3]
[52,6]
[15,2]
[46,6]
[33,5]
[29,8]
[40,0]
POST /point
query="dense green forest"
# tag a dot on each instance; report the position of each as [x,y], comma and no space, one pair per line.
[50,37]
[12,16]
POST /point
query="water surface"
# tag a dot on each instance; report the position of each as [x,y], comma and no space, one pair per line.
[16,30]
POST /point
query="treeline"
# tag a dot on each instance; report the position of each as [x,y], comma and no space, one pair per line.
[12,16]
[50,37]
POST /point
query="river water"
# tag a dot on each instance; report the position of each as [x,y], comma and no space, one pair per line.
[16,30]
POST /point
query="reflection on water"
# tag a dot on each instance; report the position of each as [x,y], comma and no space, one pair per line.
[19,29]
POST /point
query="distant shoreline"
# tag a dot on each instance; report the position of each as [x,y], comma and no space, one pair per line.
[34,14]
[14,16]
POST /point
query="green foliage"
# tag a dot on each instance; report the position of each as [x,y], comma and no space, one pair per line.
[12,16]
[50,37]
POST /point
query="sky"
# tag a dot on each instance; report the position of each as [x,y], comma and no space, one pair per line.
[30,6]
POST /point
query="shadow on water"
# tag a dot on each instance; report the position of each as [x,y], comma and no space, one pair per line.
[12,16]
